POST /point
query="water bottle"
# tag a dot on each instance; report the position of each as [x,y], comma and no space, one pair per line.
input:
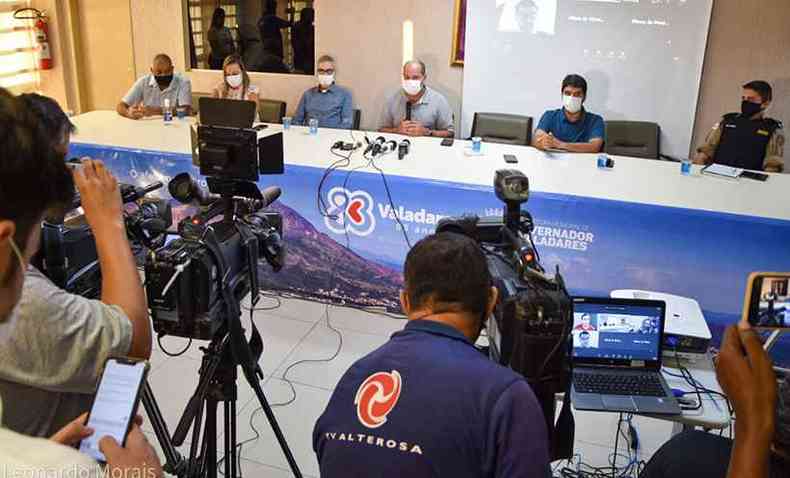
[476,144]
[313,126]
[603,161]
[685,167]
[167,111]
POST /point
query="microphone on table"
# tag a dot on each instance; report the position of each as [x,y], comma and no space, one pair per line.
[378,144]
[389,147]
[403,148]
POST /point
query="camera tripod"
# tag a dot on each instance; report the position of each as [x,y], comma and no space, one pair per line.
[218,375]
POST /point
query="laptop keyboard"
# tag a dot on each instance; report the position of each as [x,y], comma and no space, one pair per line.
[641,384]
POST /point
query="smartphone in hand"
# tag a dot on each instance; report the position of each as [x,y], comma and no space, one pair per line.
[115,403]
[767,301]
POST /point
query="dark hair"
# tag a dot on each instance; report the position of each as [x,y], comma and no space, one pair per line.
[271,6]
[218,18]
[307,15]
[576,81]
[163,57]
[448,273]
[48,111]
[34,176]
[762,88]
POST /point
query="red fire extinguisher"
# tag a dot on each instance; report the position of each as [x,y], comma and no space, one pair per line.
[41,30]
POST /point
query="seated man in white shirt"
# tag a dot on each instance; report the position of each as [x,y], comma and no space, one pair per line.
[28,160]
[147,95]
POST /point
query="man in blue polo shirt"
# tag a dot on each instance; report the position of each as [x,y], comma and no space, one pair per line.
[570,128]
[428,403]
[328,102]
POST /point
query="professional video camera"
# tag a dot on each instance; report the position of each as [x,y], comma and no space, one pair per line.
[67,255]
[185,298]
[529,329]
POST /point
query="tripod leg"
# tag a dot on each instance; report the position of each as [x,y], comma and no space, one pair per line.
[228,443]
[193,449]
[233,460]
[210,439]
[174,462]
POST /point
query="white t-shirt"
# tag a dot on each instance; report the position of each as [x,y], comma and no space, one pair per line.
[25,456]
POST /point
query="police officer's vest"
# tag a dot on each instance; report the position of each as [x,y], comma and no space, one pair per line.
[744,141]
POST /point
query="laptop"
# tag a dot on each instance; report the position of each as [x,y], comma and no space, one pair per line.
[616,356]
[227,113]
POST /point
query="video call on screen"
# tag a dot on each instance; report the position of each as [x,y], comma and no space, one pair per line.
[616,332]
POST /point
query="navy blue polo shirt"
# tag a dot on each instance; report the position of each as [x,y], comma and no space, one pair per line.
[588,128]
[428,404]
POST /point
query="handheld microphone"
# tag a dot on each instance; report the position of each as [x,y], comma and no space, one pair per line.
[377,145]
[408,111]
[403,148]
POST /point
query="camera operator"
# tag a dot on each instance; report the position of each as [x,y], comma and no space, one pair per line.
[761,448]
[28,161]
[428,403]
[53,363]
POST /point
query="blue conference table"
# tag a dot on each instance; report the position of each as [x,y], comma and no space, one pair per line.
[639,226]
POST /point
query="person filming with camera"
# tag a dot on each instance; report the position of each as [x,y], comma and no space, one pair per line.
[53,362]
[28,160]
[428,403]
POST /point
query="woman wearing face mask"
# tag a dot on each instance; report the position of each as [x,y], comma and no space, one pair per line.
[571,128]
[236,83]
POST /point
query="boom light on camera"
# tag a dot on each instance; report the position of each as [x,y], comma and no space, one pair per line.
[529,328]
[196,283]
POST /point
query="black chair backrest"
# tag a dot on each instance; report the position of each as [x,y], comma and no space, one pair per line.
[271,111]
[638,139]
[503,128]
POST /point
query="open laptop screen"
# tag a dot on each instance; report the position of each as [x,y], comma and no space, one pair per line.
[617,330]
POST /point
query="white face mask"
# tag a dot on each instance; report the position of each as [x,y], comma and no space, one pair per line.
[572,104]
[412,87]
[326,80]
[234,80]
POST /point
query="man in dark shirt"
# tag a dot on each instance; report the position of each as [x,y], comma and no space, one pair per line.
[748,139]
[428,403]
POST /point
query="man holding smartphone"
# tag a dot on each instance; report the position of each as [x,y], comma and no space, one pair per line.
[28,161]
[52,364]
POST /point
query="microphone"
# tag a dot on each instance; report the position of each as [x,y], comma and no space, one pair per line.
[270,194]
[134,193]
[378,144]
[408,111]
[403,148]
[389,146]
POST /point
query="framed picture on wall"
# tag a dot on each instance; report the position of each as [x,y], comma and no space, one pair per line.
[459,33]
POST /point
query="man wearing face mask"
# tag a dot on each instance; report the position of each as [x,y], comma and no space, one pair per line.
[570,128]
[28,160]
[147,95]
[747,139]
[329,103]
[417,110]
[428,403]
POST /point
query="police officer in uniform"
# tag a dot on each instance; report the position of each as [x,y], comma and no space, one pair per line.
[747,139]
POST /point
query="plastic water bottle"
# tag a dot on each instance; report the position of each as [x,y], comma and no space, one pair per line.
[685,167]
[313,123]
[602,160]
[477,144]
[167,111]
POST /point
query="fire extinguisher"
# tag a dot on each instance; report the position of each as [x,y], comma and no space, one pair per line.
[41,30]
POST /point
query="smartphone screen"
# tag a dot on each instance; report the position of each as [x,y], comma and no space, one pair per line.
[510,159]
[114,405]
[769,304]
[447,142]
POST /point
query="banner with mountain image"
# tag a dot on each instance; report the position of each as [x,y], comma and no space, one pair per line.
[599,245]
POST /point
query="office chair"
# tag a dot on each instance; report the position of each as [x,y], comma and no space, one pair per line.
[638,139]
[503,128]
[271,111]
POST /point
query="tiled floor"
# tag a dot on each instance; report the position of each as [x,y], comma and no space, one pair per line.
[297,333]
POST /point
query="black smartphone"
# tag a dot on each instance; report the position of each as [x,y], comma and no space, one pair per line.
[447,141]
[511,159]
[115,403]
[767,300]
[755,176]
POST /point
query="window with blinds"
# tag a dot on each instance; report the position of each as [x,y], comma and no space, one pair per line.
[18,66]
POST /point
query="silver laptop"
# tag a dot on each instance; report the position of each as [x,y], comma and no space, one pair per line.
[617,356]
